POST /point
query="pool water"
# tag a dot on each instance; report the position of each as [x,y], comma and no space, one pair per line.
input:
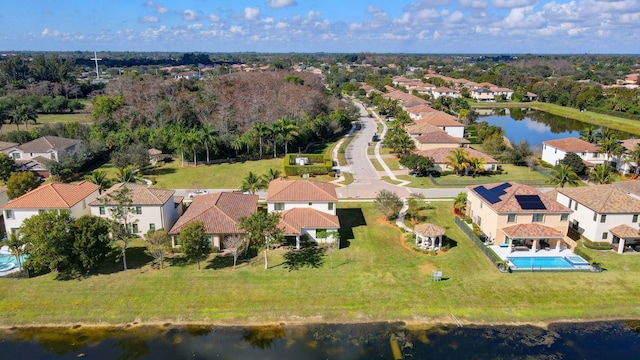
[4,259]
[547,263]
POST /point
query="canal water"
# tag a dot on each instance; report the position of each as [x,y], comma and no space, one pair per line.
[604,340]
[537,126]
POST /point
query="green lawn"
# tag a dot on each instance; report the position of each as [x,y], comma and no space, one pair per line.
[612,122]
[373,278]
[510,173]
[219,176]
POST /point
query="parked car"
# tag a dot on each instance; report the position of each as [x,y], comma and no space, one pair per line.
[197,192]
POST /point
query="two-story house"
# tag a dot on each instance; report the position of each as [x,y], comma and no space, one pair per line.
[35,155]
[220,214]
[517,216]
[153,209]
[52,196]
[605,212]
[555,150]
[306,208]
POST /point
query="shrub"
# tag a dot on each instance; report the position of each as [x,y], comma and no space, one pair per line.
[597,245]
[468,219]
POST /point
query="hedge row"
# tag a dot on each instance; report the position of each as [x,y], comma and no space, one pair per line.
[321,165]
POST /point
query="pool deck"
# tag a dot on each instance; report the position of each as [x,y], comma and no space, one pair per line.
[504,253]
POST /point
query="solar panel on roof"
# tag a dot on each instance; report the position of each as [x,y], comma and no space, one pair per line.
[530,202]
[499,190]
[487,194]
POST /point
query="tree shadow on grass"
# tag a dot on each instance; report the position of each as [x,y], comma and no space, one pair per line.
[220,262]
[178,261]
[349,219]
[312,257]
[157,171]
[136,259]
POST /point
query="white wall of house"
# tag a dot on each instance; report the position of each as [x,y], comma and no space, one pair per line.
[594,229]
[553,155]
[324,206]
[18,154]
[312,233]
[150,216]
[455,131]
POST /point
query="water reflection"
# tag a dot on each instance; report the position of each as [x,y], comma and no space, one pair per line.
[612,340]
[537,126]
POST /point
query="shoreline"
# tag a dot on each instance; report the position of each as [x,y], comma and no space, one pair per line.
[409,324]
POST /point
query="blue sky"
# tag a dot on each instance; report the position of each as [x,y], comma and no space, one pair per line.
[426,26]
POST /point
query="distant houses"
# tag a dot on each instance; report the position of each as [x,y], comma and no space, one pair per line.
[36,155]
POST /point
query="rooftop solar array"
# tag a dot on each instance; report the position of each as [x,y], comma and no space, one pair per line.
[530,202]
[492,195]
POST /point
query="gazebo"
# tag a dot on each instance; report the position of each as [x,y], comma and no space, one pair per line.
[429,236]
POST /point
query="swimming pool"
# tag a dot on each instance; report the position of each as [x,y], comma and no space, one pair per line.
[573,262]
[5,259]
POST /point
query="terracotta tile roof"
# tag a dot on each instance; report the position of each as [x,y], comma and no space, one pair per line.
[6,145]
[625,231]
[300,190]
[420,109]
[630,144]
[53,196]
[443,89]
[429,230]
[604,199]
[219,212]
[630,186]
[572,145]
[487,85]
[440,118]
[46,143]
[140,195]
[439,155]
[294,220]
[531,231]
[422,128]
[509,204]
[440,137]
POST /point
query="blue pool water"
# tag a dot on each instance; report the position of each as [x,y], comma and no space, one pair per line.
[4,259]
[547,263]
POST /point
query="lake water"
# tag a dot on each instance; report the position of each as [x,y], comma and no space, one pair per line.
[606,340]
[536,126]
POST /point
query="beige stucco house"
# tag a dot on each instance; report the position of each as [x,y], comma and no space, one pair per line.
[518,216]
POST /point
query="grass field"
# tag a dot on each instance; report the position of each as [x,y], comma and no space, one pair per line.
[219,176]
[373,278]
[612,122]
[510,173]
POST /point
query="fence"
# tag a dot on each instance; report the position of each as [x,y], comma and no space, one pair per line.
[495,259]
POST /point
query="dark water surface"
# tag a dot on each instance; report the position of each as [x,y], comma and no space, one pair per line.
[604,340]
[536,126]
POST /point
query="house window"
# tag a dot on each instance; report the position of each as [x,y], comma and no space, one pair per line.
[330,206]
[138,210]
[575,207]
[152,227]
[584,154]
[511,218]
[538,218]
[84,204]
[310,204]
[555,151]
[570,203]
[595,155]
[134,228]
[15,156]
[101,208]
[635,218]
[481,205]
[564,217]
[575,224]
[278,206]
[8,214]
[479,221]
[595,216]
[603,218]
[605,235]
[14,231]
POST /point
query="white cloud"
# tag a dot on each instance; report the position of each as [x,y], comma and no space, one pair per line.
[189,15]
[510,4]
[214,18]
[160,9]
[436,35]
[276,4]
[251,13]
[473,4]
[148,19]
[282,25]
[313,15]
[456,17]
[522,18]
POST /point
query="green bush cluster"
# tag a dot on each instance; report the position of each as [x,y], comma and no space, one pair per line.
[321,165]
[597,245]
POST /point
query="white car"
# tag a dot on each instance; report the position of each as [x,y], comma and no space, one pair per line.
[197,192]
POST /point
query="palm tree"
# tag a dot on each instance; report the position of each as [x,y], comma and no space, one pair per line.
[16,245]
[403,144]
[194,139]
[563,175]
[236,143]
[604,133]
[274,134]
[209,138]
[458,160]
[589,135]
[612,147]
[126,175]
[99,177]
[634,157]
[261,130]
[271,174]
[476,164]
[180,142]
[252,183]
[22,114]
[601,174]
[288,132]
[460,203]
